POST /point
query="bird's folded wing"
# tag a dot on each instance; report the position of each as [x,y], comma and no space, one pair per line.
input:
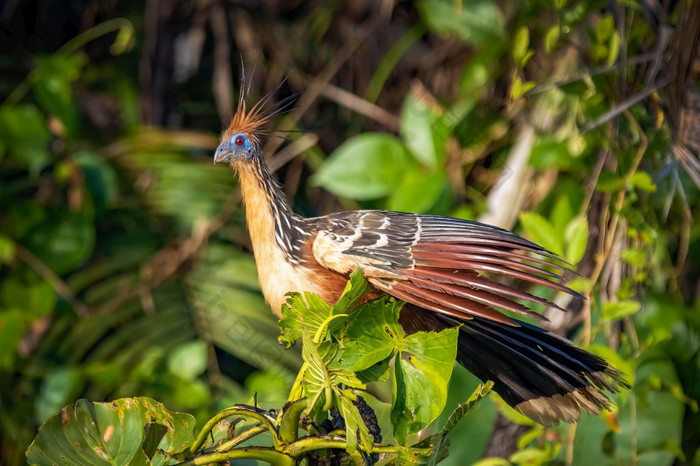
[447,265]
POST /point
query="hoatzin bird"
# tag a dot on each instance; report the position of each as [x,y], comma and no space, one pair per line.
[443,268]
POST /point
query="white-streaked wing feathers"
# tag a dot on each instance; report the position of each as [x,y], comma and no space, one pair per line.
[438,263]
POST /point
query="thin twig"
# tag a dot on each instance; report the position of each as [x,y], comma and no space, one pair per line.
[307,141]
[360,105]
[624,105]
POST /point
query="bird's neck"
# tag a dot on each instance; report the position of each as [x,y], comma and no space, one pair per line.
[271,222]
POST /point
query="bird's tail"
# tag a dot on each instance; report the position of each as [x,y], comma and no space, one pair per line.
[540,374]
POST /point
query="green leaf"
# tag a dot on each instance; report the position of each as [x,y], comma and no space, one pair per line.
[310,313]
[562,212]
[374,333]
[189,360]
[356,288]
[551,38]
[191,394]
[111,433]
[418,191]
[642,181]
[635,257]
[100,179]
[422,129]
[618,310]
[368,166]
[7,249]
[519,88]
[550,152]
[576,235]
[609,182]
[305,312]
[542,232]
[492,462]
[472,21]
[613,49]
[529,456]
[355,428]
[421,375]
[605,28]
[521,42]
[24,134]
[54,91]
[324,374]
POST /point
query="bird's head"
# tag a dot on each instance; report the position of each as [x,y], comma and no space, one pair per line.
[242,140]
[236,146]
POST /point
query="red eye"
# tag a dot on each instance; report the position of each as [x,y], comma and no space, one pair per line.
[239,140]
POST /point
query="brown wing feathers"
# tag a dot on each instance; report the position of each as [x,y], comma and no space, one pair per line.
[450,255]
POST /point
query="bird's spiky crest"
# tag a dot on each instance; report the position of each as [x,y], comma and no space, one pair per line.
[252,122]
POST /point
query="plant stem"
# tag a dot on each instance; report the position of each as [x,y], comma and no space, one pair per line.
[238,410]
[307,444]
[254,453]
[237,440]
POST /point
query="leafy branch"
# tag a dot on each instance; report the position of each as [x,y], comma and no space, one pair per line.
[345,347]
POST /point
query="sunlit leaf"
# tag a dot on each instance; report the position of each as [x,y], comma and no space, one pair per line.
[542,232]
[643,181]
[367,166]
[576,236]
[418,191]
[374,334]
[551,38]
[111,433]
[421,375]
[619,310]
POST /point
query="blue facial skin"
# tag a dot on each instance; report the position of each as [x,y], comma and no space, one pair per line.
[237,147]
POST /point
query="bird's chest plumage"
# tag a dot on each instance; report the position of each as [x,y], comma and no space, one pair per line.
[277,276]
[276,253]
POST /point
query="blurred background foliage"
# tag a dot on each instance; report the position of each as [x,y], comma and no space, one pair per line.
[125,263]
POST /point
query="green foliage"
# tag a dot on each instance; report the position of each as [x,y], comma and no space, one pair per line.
[125,431]
[355,348]
[339,348]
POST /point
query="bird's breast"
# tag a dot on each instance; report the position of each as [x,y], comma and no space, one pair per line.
[277,277]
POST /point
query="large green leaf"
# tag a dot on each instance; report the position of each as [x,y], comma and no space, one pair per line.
[368,166]
[418,190]
[374,334]
[421,376]
[125,431]
[541,231]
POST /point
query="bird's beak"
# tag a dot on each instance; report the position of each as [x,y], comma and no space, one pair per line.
[223,153]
